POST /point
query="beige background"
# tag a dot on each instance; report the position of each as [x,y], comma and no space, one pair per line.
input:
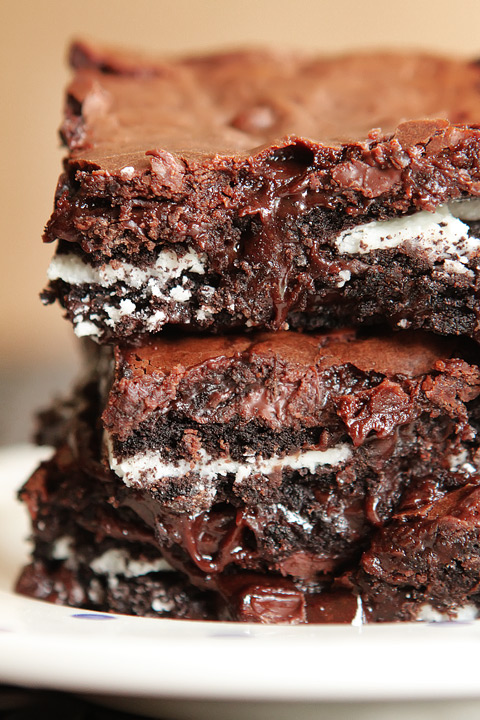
[36,345]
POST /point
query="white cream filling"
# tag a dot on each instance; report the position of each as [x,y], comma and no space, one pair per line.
[461,463]
[168,266]
[126,307]
[466,613]
[85,328]
[119,562]
[95,591]
[155,320]
[204,313]
[149,466]
[465,208]
[180,294]
[162,605]
[344,277]
[295,518]
[115,561]
[62,548]
[441,235]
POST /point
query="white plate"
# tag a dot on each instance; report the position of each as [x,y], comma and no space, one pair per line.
[186,669]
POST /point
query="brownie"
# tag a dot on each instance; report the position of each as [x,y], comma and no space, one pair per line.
[90,554]
[271,470]
[279,452]
[269,190]
[428,554]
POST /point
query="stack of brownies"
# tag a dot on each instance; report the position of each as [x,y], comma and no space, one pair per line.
[274,262]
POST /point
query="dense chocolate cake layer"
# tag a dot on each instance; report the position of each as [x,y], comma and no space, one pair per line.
[290,499]
[255,189]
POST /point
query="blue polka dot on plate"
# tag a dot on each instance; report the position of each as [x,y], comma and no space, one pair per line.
[231,634]
[93,616]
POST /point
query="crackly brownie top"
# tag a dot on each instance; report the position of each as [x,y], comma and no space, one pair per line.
[410,354]
[286,379]
[204,150]
[233,103]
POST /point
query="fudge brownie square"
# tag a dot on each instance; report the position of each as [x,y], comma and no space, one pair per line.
[268,190]
[271,471]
